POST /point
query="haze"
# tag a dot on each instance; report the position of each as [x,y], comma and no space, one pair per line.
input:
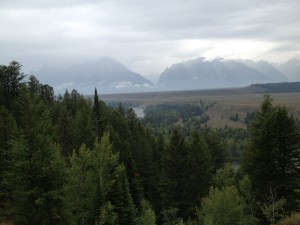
[147,36]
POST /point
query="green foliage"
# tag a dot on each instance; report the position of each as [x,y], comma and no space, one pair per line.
[234,117]
[245,189]
[294,219]
[199,173]
[224,177]
[272,158]
[224,207]
[81,189]
[147,215]
[106,164]
[44,91]
[122,199]
[36,173]
[10,81]
[174,173]
[249,118]
[170,216]
[167,114]
[107,215]
[283,87]
[216,148]
[274,209]
[8,132]
[74,160]
[64,131]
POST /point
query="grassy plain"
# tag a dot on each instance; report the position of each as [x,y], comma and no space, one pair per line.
[228,102]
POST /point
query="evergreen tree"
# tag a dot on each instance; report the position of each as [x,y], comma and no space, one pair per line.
[147,215]
[224,207]
[122,200]
[37,171]
[107,215]
[8,132]
[216,147]
[64,131]
[10,80]
[224,177]
[98,116]
[174,174]
[106,163]
[80,188]
[273,158]
[199,173]
[83,127]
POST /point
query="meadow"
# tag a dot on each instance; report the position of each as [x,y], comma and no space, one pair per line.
[228,102]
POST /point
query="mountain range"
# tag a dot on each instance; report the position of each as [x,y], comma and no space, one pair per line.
[107,75]
[110,76]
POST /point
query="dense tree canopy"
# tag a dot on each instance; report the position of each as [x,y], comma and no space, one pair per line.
[70,159]
[273,157]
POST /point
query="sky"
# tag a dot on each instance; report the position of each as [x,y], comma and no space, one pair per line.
[147,35]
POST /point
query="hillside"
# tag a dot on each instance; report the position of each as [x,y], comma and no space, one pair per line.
[229,101]
[109,76]
[219,73]
[291,69]
[285,87]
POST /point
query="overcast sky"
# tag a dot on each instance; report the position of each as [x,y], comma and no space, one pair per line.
[147,35]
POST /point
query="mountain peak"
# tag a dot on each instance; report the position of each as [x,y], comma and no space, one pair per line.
[291,68]
[200,73]
[108,75]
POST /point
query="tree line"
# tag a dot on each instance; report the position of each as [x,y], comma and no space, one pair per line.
[72,160]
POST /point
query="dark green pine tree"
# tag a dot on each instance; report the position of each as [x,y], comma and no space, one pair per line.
[8,132]
[105,163]
[92,180]
[199,173]
[216,148]
[83,127]
[81,189]
[272,159]
[37,171]
[10,80]
[122,200]
[98,116]
[174,174]
[64,131]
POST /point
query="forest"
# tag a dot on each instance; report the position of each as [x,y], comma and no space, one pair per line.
[73,160]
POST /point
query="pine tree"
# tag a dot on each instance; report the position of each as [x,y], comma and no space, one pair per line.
[64,131]
[199,173]
[10,80]
[98,116]
[216,148]
[37,170]
[106,163]
[80,188]
[83,127]
[174,174]
[8,132]
[224,207]
[122,200]
[93,180]
[273,158]
[147,215]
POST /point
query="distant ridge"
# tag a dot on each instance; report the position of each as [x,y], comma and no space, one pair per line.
[285,87]
[107,75]
[111,77]
[266,69]
[291,69]
[219,73]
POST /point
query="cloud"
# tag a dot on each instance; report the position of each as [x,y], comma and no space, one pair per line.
[146,35]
